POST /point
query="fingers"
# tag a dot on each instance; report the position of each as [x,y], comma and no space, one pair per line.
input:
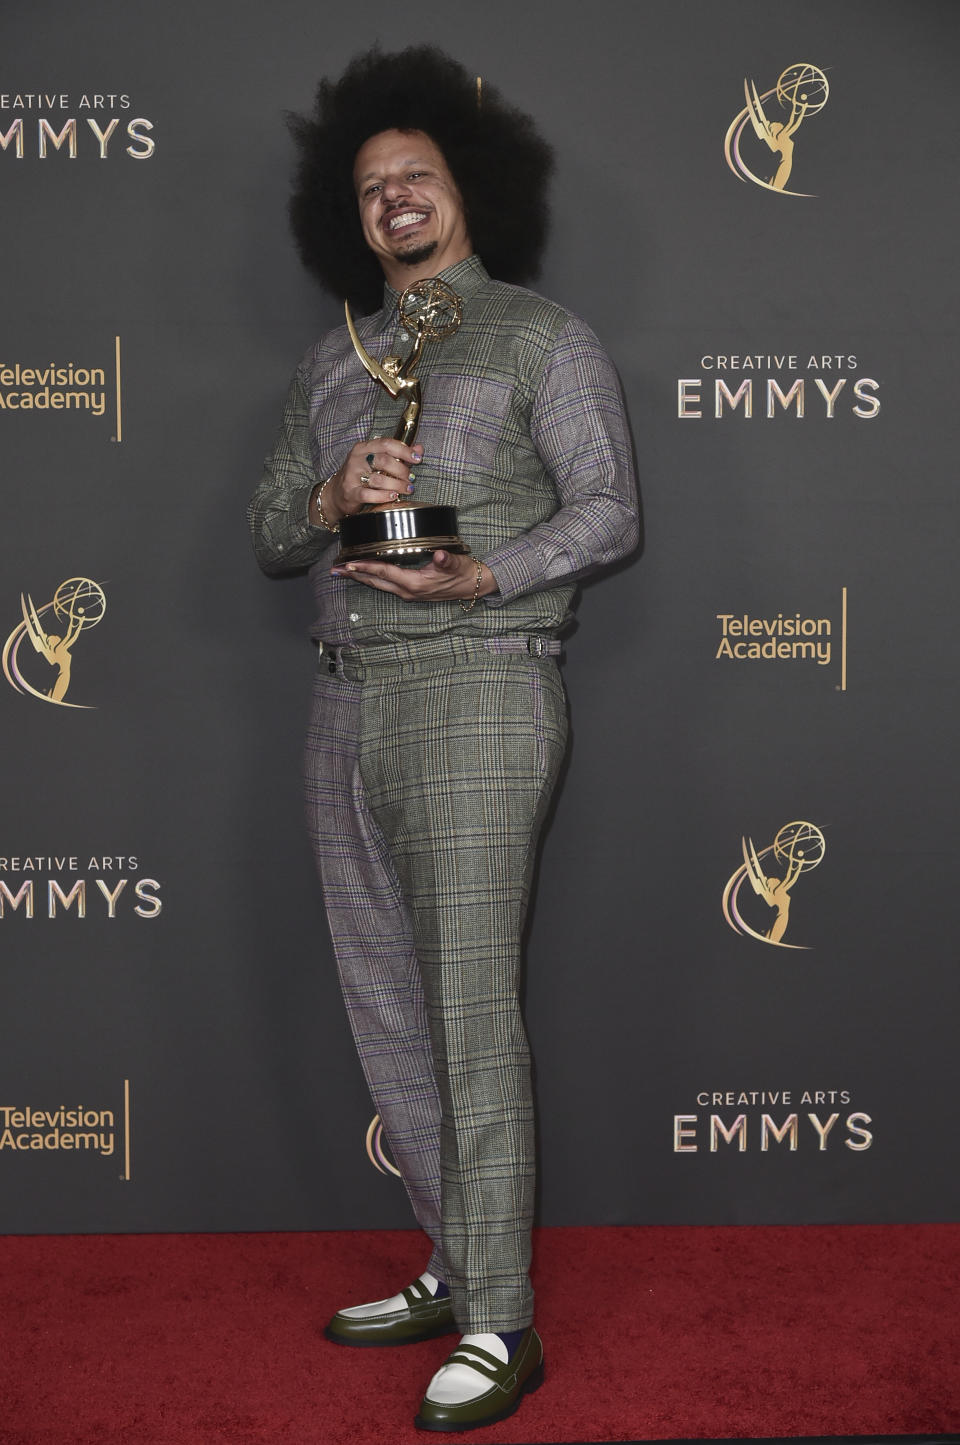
[377,471]
[387,451]
[441,579]
[383,577]
[374,574]
[383,487]
[387,462]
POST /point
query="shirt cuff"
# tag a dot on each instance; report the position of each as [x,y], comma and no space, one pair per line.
[516,569]
[298,515]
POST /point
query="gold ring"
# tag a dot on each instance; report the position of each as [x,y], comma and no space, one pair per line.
[364,480]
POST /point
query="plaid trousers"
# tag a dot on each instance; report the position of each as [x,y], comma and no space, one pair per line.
[429,767]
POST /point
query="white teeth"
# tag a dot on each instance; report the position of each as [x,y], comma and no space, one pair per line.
[405,219]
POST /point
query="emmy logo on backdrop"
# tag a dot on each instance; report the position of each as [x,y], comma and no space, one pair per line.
[802,90]
[798,848]
[53,629]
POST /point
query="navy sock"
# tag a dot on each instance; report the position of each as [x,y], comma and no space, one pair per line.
[441,1292]
[511,1340]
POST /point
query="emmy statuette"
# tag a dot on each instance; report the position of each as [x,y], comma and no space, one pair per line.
[405,533]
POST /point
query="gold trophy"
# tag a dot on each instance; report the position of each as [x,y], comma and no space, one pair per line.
[405,533]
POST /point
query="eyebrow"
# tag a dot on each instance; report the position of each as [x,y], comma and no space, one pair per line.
[369,175]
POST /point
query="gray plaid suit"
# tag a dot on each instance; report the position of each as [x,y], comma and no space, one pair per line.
[436,737]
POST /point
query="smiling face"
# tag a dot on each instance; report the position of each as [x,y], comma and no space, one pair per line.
[410,209]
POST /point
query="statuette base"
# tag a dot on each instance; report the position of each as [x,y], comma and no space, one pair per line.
[405,535]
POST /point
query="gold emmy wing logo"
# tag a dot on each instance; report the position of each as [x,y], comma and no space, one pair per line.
[798,848]
[53,630]
[801,90]
[375,1150]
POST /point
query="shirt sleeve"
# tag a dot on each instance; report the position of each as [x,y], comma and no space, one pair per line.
[579,427]
[284,539]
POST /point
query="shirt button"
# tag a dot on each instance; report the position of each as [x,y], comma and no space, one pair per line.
[354,616]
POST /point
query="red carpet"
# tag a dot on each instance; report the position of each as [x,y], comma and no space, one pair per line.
[649,1334]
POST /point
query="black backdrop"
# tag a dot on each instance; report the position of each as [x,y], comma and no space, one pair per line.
[184,1064]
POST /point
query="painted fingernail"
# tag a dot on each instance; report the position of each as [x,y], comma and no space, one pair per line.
[413,476]
[410,488]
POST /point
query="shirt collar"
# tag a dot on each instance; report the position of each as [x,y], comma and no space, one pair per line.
[466,277]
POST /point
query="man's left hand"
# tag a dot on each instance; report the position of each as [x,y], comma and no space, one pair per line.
[445,578]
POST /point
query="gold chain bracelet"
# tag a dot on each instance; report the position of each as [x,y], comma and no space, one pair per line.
[318,502]
[476,591]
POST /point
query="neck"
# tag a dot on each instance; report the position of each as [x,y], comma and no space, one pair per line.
[401,274]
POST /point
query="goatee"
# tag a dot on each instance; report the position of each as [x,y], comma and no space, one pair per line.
[418,254]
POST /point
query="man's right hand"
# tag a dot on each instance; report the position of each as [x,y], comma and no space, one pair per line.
[385,461]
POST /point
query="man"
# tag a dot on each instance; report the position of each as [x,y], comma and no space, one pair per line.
[439,720]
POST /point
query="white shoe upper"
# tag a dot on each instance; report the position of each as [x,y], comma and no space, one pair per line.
[390,1306]
[457,1384]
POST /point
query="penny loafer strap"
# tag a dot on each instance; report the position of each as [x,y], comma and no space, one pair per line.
[484,1363]
[417,1293]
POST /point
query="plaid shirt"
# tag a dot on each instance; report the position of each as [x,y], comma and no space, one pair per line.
[523,431]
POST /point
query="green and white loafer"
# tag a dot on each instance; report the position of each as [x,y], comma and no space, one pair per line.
[404,1319]
[474,1388]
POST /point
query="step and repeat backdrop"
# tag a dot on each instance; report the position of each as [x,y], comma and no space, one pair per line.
[742,983]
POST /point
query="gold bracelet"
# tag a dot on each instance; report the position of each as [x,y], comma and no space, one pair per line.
[476,591]
[318,503]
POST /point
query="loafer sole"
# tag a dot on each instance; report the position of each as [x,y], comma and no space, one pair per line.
[384,1338]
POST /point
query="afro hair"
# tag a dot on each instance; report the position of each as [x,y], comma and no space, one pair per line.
[500,163]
